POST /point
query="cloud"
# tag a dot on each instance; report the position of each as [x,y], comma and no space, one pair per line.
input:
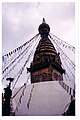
[20,22]
[20,19]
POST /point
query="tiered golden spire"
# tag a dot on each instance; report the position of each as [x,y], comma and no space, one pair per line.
[46,59]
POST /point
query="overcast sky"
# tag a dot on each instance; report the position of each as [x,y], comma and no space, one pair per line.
[20,22]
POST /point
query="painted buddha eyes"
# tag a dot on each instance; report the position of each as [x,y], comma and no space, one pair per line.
[57,77]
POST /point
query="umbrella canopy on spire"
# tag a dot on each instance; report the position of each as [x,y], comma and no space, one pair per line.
[44,29]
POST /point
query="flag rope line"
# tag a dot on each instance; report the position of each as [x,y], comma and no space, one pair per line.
[29,100]
[22,69]
[20,47]
[61,50]
[68,89]
[20,89]
[64,61]
[64,44]
[17,61]
[14,60]
[21,96]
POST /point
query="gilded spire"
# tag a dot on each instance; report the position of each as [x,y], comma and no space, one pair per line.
[46,62]
[43,20]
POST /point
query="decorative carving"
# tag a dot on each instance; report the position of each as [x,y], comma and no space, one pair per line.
[39,77]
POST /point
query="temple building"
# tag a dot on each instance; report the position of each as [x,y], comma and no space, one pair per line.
[46,65]
[48,94]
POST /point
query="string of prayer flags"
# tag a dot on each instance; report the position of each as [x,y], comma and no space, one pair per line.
[20,47]
[68,89]
[61,42]
[22,94]
[28,104]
